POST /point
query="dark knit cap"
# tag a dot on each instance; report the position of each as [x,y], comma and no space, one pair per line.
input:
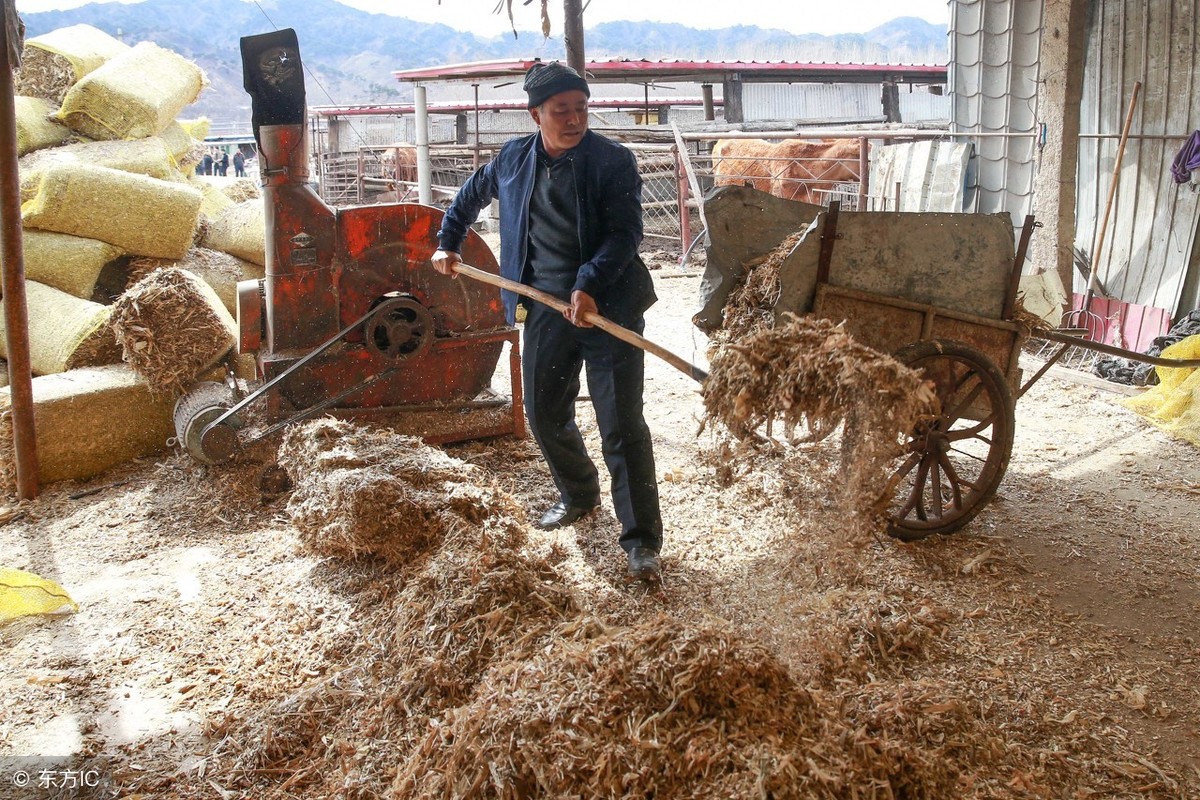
[544,80]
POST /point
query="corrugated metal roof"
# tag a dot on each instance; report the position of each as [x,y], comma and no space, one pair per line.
[994,52]
[395,109]
[635,70]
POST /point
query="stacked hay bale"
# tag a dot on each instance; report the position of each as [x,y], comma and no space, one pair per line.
[110,197]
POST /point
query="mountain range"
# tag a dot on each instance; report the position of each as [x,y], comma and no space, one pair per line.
[351,54]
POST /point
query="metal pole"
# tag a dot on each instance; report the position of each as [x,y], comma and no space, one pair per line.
[706,90]
[864,172]
[424,172]
[475,160]
[16,311]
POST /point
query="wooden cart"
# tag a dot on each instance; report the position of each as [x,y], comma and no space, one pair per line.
[953,462]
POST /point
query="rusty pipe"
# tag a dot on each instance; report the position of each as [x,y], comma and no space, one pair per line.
[16,310]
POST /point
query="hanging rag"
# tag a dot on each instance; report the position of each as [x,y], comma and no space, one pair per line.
[1187,159]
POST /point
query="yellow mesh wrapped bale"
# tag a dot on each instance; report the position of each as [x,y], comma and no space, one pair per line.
[68,263]
[221,271]
[215,200]
[65,332]
[35,129]
[196,128]
[1174,403]
[53,62]
[136,94]
[172,327]
[24,594]
[87,421]
[141,214]
[240,230]
[186,148]
[149,156]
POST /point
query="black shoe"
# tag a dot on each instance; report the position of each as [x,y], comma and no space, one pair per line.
[644,564]
[560,515]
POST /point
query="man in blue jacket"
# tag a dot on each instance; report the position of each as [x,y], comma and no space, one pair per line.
[570,225]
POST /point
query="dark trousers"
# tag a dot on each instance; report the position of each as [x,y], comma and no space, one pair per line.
[553,354]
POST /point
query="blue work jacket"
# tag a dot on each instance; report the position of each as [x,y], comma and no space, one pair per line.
[609,204]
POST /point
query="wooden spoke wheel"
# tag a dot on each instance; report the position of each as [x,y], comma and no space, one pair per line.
[952,463]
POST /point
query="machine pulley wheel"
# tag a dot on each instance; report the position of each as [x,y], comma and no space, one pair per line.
[195,411]
[400,328]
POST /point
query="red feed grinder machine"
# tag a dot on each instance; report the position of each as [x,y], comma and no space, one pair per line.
[351,318]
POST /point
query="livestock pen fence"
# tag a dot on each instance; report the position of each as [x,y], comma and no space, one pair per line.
[677,171]
[373,174]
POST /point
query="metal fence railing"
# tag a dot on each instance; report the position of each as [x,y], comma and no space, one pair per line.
[388,174]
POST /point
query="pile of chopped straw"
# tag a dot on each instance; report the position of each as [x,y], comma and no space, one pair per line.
[373,493]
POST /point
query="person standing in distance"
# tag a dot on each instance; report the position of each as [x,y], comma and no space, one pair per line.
[570,225]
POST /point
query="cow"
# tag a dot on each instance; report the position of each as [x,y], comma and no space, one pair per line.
[401,161]
[790,168]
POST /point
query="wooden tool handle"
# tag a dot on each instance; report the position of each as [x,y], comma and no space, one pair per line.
[603,323]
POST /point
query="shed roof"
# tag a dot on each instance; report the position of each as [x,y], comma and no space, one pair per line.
[643,70]
[400,109]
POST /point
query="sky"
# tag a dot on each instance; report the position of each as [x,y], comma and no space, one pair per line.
[795,16]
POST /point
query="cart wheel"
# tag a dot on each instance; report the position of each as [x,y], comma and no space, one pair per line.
[953,463]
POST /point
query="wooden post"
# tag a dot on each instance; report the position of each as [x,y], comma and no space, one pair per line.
[573,35]
[685,223]
[16,310]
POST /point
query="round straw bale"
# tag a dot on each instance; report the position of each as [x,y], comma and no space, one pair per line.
[143,215]
[3,373]
[197,128]
[241,231]
[172,326]
[69,263]
[148,156]
[375,493]
[185,148]
[220,271]
[35,127]
[86,421]
[53,62]
[65,332]
[137,93]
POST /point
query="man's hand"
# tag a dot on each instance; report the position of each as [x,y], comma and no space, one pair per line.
[444,261]
[581,304]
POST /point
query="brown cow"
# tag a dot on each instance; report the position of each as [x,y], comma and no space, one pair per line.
[403,158]
[790,168]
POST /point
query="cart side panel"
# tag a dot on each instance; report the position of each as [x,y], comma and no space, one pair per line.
[958,261]
[887,324]
[873,322]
